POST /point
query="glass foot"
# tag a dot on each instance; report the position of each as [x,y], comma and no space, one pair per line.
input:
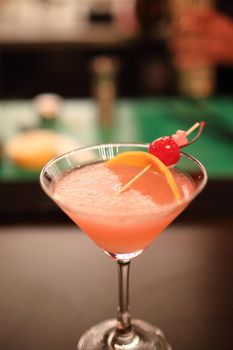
[103,337]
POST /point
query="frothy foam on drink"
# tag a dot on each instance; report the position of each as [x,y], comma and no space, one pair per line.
[92,189]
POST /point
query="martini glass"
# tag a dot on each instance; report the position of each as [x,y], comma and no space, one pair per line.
[119,242]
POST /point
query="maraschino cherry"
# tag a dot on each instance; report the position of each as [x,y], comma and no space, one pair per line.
[167,148]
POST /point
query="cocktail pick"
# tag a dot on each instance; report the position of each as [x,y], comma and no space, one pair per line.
[128,184]
[162,146]
[199,125]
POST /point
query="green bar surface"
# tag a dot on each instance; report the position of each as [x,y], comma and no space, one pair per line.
[139,120]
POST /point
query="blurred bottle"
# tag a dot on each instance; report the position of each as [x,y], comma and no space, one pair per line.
[47,107]
[155,70]
[197,81]
[104,70]
[153,16]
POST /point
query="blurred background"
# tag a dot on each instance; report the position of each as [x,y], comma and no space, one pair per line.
[80,72]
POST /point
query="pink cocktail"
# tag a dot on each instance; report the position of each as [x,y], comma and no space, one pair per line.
[126,222]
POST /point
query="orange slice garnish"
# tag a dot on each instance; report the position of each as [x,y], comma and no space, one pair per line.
[145,160]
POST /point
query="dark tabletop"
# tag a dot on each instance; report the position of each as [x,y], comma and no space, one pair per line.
[55,284]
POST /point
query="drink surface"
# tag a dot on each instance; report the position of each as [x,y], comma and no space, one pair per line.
[121,222]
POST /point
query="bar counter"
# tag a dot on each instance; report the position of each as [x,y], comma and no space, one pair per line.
[55,284]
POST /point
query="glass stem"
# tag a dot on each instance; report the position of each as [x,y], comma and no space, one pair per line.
[123,316]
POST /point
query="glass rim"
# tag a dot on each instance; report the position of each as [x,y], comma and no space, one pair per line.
[123,144]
